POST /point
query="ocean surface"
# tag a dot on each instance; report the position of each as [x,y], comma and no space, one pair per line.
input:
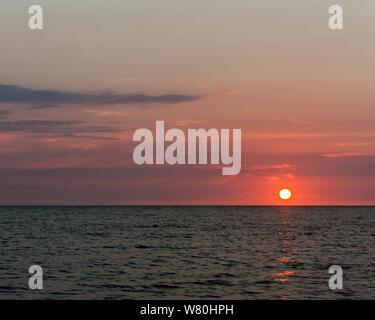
[187,252]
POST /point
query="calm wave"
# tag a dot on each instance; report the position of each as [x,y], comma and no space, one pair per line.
[187,252]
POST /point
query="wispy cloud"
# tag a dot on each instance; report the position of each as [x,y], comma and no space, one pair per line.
[52,127]
[52,98]
[270,167]
[344,154]
[272,171]
[354,144]
[306,135]
[105,113]
[4,114]
[69,135]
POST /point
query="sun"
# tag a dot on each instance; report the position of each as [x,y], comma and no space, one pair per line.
[285,194]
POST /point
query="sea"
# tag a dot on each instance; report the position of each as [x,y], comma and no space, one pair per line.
[187,252]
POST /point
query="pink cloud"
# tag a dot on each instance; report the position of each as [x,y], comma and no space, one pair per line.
[344,154]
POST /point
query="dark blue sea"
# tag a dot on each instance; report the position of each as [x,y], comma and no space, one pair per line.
[187,252]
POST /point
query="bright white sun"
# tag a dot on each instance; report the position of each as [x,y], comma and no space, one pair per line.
[285,194]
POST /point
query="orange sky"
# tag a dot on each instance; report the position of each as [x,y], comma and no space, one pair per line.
[301,93]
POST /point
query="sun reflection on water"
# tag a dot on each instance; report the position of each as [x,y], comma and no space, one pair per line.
[287,261]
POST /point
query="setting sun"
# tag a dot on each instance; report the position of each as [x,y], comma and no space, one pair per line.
[285,194]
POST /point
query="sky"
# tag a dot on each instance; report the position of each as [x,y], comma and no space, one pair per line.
[72,95]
